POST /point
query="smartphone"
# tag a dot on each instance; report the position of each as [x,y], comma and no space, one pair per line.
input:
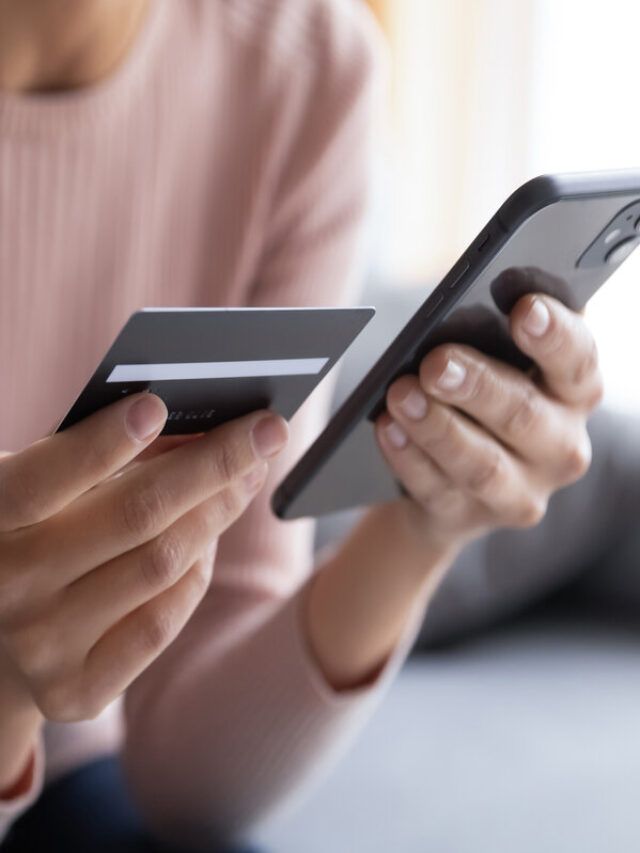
[563,235]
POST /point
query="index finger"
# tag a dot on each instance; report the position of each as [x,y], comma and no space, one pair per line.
[126,512]
[560,343]
[161,445]
[41,480]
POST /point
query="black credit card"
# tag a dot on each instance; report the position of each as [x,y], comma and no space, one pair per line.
[210,365]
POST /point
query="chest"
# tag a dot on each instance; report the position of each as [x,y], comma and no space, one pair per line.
[91,232]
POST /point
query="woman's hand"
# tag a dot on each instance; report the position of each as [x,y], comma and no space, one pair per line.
[477,444]
[98,574]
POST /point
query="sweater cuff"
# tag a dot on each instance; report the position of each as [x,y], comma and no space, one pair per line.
[33,778]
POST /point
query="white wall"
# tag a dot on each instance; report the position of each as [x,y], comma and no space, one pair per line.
[586,115]
[489,93]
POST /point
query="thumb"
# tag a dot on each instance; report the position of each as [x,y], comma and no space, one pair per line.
[48,475]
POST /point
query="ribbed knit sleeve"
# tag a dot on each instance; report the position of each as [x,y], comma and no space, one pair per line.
[234,718]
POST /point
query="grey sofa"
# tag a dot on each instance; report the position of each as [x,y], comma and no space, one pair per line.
[523,737]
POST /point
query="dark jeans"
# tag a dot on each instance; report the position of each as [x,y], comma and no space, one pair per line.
[87,811]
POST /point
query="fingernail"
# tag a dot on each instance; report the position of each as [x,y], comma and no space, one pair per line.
[269,436]
[396,435]
[255,478]
[145,417]
[452,376]
[537,320]
[414,405]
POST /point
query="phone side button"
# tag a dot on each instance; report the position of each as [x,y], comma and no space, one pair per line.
[457,273]
[431,306]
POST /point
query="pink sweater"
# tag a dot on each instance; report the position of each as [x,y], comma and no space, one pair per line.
[224,163]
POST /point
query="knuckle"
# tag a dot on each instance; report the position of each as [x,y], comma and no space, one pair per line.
[521,418]
[200,578]
[141,511]
[162,562]
[12,593]
[34,649]
[597,394]
[225,463]
[530,512]
[23,498]
[229,503]
[448,503]
[92,702]
[97,456]
[587,366]
[487,476]
[92,707]
[27,568]
[58,701]
[577,460]
[156,629]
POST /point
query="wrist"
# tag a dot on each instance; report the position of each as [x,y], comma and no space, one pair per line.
[425,546]
[359,603]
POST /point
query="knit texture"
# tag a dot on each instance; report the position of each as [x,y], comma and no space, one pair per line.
[224,163]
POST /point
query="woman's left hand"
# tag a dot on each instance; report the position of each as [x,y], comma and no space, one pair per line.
[478,444]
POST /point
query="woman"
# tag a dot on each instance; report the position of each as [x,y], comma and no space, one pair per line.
[201,152]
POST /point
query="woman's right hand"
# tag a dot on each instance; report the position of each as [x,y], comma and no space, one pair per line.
[98,574]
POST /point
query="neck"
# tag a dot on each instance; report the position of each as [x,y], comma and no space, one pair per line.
[49,45]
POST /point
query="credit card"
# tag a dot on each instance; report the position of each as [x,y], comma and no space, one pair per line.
[210,365]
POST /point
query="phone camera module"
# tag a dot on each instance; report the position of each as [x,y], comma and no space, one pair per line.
[616,241]
[621,251]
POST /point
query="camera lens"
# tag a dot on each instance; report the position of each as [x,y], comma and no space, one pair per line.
[612,235]
[622,250]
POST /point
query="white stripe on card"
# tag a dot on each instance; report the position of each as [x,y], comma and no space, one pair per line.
[216,370]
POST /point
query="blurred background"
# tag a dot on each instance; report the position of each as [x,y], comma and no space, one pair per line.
[486,94]
[524,737]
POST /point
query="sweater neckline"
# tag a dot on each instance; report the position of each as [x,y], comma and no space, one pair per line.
[72,109]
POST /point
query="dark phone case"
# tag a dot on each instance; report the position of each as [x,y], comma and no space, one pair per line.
[548,237]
